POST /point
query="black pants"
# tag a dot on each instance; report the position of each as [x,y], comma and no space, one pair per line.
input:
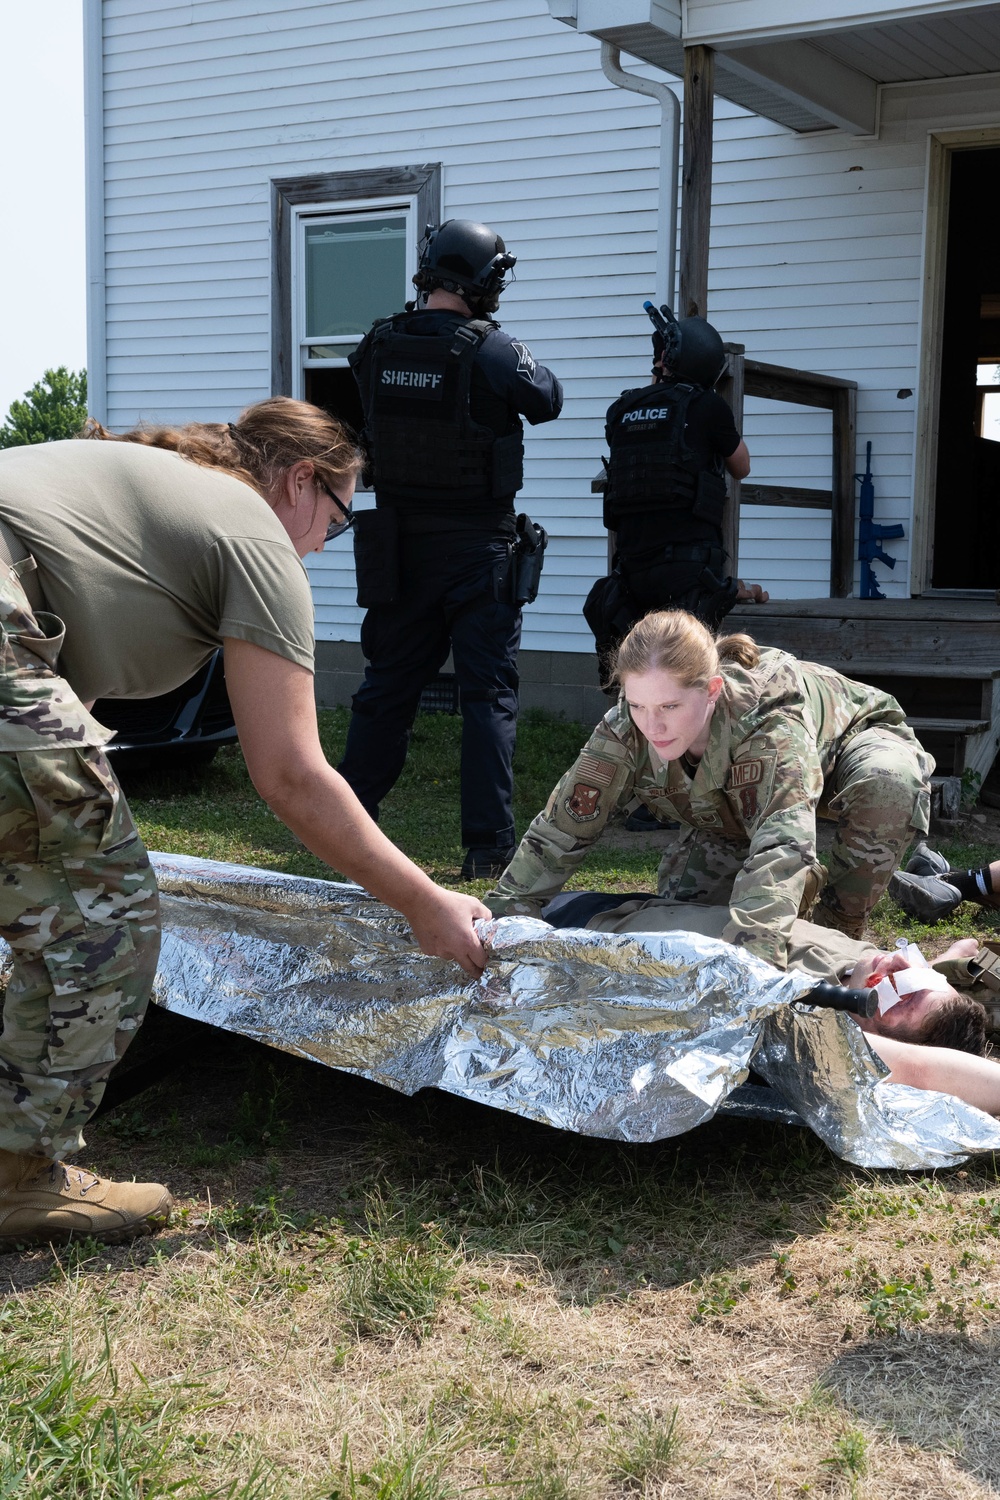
[447,602]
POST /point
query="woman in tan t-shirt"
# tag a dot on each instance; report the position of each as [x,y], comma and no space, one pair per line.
[78,902]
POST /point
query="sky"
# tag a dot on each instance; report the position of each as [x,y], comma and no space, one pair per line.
[43,311]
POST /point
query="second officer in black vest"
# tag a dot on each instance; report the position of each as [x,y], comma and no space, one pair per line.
[443,390]
[671,445]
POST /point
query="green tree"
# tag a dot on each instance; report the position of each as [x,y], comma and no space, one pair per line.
[54,408]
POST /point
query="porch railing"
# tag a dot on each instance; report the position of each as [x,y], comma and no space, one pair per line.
[749,377]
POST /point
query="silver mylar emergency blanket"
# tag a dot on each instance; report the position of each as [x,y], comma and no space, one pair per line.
[634,1036]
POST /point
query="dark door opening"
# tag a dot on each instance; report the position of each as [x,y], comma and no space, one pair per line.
[967,511]
[337,392]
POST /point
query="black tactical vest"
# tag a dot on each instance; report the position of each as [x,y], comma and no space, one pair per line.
[427,453]
[656,487]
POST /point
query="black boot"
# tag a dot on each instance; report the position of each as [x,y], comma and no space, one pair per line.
[479,864]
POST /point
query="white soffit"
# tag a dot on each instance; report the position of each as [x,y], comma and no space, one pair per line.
[809,82]
[945,46]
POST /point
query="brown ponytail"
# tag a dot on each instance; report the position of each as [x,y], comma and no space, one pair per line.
[671,640]
[268,438]
[742,649]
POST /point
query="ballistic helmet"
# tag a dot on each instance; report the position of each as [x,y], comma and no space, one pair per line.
[464,257]
[691,348]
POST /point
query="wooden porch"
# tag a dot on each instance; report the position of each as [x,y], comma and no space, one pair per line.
[939,656]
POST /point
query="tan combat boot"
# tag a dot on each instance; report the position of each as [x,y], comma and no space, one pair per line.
[43,1201]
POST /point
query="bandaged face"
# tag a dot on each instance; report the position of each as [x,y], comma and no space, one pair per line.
[674,719]
[909,991]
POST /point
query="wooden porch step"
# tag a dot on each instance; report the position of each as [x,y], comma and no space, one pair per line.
[947,726]
[939,656]
[872,666]
[863,637]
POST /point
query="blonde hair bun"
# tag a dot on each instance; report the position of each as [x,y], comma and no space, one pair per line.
[671,640]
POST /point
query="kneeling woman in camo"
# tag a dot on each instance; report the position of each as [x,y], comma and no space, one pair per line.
[745,746]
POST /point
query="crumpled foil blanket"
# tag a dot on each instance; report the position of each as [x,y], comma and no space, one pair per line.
[632,1037]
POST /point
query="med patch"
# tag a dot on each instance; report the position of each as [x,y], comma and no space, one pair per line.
[751,784]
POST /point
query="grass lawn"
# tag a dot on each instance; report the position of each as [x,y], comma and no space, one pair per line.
[366,1297]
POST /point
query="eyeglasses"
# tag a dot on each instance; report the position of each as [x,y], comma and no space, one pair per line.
[337,528]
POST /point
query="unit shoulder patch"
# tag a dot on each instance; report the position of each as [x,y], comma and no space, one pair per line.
[582,803]
[525,359]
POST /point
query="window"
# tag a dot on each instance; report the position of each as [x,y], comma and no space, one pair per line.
[345,249]
[350,268]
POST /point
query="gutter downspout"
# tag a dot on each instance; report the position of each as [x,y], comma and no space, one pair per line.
[670,136]
[93,99]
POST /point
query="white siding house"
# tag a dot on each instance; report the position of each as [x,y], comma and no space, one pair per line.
[823,249]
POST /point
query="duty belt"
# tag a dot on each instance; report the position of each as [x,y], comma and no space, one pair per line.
[678,552]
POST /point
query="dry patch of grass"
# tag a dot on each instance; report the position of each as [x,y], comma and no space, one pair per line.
[366,1296]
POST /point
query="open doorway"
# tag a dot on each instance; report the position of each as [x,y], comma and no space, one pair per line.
[967,512]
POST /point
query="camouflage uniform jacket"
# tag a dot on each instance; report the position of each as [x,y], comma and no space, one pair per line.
[38,708]
[775,737]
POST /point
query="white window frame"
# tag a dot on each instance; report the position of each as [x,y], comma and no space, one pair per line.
[418,188]
[355,210]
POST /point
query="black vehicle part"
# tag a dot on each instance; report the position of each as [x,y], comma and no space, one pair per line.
[191,722]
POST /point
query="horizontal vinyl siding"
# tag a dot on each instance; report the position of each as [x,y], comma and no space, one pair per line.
[813,264]
[532,139]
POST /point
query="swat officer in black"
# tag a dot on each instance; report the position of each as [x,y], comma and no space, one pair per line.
[443,391]
[671,444]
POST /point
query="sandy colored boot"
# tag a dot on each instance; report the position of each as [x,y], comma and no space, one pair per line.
[43,1201]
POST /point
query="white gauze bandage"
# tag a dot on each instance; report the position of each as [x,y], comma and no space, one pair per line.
[903,982]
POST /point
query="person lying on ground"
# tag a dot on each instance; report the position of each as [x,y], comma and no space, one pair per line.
[936,1015]
[745,747]
[930,889]
[931,1038]
[125,562]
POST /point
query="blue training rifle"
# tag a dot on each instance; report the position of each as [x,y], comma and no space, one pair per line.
[871,533]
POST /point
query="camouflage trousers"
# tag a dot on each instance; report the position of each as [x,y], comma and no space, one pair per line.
[78,900]
[879,798]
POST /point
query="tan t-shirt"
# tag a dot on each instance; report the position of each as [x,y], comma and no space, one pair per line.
[150,560]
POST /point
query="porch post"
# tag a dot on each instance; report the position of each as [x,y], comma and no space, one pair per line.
[845,422]
[696,189]
[732,388]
